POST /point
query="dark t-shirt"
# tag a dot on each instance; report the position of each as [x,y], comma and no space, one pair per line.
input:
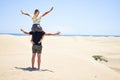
[36,37]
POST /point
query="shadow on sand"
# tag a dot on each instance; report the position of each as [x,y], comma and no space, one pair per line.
[33,69]
[115,69]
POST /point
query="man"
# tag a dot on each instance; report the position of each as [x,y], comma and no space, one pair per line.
[37,38]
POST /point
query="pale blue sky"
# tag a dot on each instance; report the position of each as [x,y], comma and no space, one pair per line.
[85,17]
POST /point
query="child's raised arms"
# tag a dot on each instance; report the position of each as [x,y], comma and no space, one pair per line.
[47,12]
[25,13]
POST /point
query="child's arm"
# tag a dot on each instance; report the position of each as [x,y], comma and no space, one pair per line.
[24,31]
[47,12]
[52,34]
[25,13]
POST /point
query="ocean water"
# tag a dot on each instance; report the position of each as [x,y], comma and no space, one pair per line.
[18,34]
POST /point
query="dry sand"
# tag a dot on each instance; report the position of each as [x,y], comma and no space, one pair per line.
[63,58]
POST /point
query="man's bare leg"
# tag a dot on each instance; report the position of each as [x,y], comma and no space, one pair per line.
[33,59]
[39,60]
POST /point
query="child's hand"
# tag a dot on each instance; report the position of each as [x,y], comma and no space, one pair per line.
[51,9]
[22,12]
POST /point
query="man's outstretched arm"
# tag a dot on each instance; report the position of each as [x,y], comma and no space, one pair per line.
[52,34]
[24,31]
[49,34]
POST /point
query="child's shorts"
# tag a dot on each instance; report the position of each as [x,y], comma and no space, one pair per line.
[36,27]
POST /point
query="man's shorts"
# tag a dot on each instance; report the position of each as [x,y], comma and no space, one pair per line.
[37,49]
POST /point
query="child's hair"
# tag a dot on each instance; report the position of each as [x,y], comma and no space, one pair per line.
[36,10]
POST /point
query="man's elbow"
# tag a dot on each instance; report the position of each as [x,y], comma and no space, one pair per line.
[48,34]
[27,33]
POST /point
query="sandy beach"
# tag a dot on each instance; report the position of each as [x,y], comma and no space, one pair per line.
[63,58]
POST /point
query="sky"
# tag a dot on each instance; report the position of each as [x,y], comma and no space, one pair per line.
[83,17]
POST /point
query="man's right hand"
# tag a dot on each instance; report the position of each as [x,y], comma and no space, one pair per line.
[24,31]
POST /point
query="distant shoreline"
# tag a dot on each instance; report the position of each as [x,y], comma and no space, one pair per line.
[18,34]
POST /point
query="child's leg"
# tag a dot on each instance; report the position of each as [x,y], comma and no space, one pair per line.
[39,60]
[33,59]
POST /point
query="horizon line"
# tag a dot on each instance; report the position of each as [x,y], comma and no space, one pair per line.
[98,35]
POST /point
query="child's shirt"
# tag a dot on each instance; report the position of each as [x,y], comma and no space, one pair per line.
[36,20]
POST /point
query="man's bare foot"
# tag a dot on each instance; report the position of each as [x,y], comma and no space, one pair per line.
[33,67]
[38,68]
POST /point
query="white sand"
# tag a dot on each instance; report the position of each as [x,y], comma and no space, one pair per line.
[63,58]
